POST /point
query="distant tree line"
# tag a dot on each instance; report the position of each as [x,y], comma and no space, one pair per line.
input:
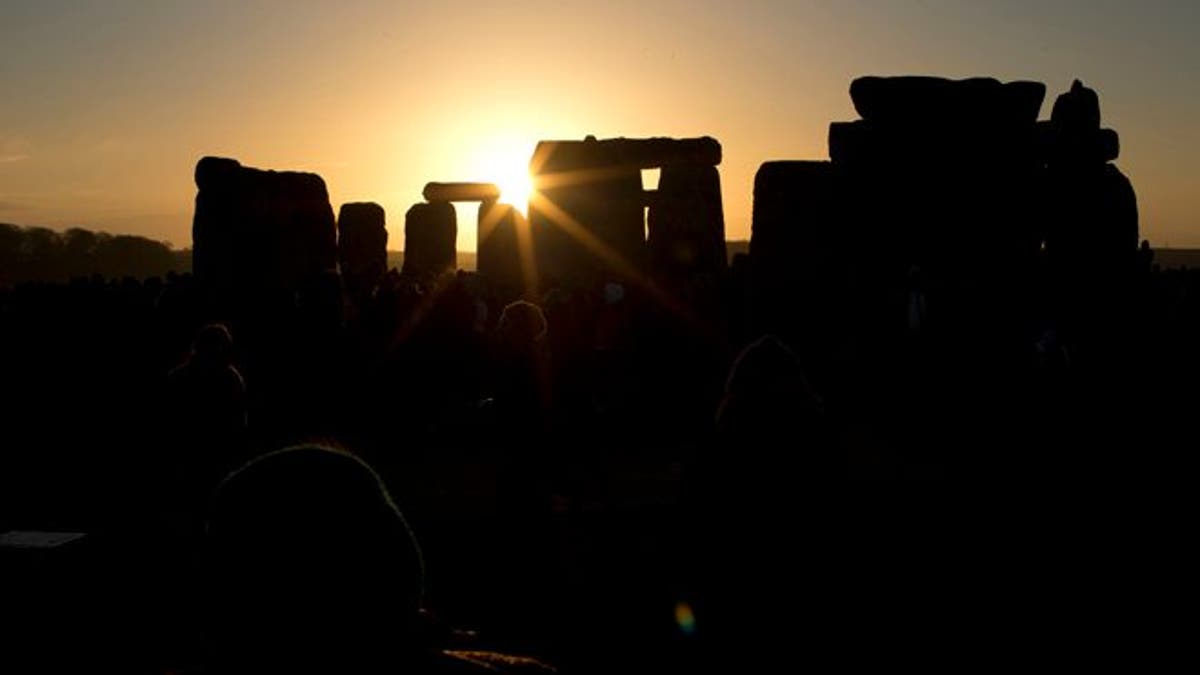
[41,254]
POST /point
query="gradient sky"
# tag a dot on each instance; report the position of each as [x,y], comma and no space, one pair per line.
[108,105]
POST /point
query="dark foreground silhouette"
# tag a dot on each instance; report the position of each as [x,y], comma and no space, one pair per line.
[312,568]
[616,450]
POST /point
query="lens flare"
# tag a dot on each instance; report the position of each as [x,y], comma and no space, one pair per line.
[685,618]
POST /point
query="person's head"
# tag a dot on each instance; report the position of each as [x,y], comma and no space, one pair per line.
[213,344]
[522,323]
[311,564]
[767,390]
[772,424]
[614,293]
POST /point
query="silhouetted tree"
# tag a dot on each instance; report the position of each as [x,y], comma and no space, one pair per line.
[41,254]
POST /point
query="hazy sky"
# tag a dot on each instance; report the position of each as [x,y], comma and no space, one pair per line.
[108,105]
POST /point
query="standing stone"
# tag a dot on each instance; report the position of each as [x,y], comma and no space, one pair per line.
[220,209]
[686,222]
[1089,147]
[460,192]
[798,249]
[942,183]
[499,256]
[587,218]
[1073,135]
[795,210]
[919,100]
[362,245]
[1092,233]
[1078,109]
[430,236]
[650,153]
[260,231]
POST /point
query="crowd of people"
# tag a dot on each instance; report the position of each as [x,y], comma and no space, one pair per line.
[557,471]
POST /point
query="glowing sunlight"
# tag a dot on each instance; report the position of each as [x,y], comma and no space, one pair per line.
[505,162]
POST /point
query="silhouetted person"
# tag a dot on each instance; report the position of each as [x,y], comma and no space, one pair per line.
[210,374]
[771,451]
[770,407]
[520,361]
[917,308]
[521,386]
[1145,260]
[206,414]
[568,317]
[313,569]
[520,369]
[450,348]
[771,436]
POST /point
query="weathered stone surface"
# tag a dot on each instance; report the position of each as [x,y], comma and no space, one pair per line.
[430,237]
[461,192]
[933,100]
[686,222]
[257,230]
[362,244]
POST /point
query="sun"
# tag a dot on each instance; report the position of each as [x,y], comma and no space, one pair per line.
[505,162]
[516,186]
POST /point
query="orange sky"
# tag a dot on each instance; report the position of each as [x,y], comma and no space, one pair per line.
[109,105]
